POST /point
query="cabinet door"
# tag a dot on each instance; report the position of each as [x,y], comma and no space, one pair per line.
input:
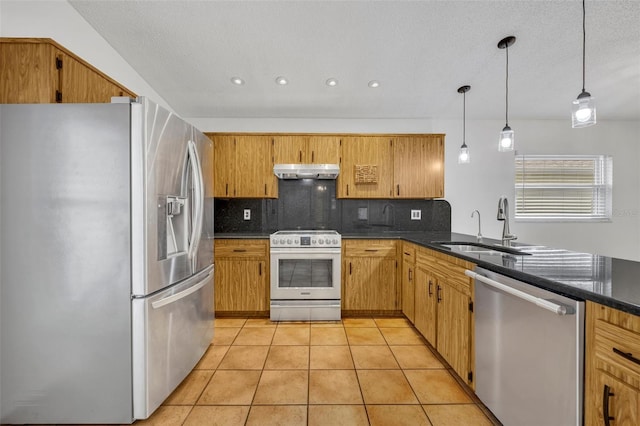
[454,323]
[425,304]
[367,167]
[82,84]
[369,284]
[418,166]
[621,402]
[27,73]
[240,285]
[254,174]
[356,284]
[224,166]
[408,290]
[323,149]
[289,149]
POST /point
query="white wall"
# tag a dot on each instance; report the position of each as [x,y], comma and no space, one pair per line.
[56,19]
[490,175]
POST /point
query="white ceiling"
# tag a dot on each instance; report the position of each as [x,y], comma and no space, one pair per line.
[420,51]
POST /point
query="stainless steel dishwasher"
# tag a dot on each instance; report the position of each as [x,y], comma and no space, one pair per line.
[529,351]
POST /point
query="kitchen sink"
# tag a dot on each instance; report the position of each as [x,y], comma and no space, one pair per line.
[479,248]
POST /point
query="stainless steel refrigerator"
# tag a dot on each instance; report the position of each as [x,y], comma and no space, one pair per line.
[106,278]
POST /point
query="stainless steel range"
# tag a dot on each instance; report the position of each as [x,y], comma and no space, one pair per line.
[305,275]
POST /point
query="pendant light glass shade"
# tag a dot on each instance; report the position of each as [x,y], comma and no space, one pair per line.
[583,111]
[506,139]
[463,156]
[507,136]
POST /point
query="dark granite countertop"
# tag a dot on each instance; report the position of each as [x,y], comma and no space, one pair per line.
[242,235]
[605,280]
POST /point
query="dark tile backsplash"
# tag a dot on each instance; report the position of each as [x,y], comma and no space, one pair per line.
[312,204]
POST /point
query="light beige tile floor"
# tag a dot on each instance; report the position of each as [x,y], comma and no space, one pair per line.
[358,371]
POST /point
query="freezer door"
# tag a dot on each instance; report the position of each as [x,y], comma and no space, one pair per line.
[171,331]
[168,206]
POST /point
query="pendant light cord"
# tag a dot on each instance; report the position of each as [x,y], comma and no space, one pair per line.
[506,96]
[464,118]
[584,37]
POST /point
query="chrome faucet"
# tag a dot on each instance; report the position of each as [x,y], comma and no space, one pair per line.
[503,214]
[479,236]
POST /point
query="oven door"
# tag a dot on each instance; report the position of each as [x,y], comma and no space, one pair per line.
[305,274]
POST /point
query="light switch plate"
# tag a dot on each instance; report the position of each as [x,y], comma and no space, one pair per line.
[416,214]
[247,214]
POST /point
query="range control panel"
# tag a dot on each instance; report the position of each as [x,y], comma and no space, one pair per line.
[302,239]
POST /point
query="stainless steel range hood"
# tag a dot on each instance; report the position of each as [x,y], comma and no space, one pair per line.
[306,171]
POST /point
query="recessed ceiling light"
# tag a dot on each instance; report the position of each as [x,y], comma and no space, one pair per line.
[332,82]
[237,80]
[374,83]
[281,81]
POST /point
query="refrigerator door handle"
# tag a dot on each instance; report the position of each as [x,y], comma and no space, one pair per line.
[181,295]
[198,214]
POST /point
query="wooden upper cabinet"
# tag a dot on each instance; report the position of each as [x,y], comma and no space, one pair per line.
[82,84]
[224,166]
[243,166]
[307,149]
[323,149]
[27,73]
[289,149]
[418,166]
[254,167]
[34,70]
[367,167]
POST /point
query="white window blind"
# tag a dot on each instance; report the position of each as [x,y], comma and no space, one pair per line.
[563,187]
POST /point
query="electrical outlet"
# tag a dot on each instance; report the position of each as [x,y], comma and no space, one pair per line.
[247,214]
[416,214]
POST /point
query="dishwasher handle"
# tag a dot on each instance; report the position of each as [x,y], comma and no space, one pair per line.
[544,304]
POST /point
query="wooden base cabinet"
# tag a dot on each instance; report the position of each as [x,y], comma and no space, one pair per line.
[369,276]
[38,70]
[612,367]
[408,280]
[241,277]
[426,307]
[444,308]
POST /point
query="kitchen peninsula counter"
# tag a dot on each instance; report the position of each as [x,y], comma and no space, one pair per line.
[609,281]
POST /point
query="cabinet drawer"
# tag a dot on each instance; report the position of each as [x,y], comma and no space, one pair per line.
[408,253]
[240,248]
[617,351]
[370,248]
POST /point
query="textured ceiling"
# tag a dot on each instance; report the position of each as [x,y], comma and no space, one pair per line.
[420,51]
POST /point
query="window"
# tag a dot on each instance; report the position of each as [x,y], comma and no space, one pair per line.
[563,187]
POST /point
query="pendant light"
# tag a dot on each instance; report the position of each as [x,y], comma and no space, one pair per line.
[463,155]
[506,141]
[583,112]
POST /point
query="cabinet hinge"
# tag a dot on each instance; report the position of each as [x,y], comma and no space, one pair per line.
[471,306]
[58,96]
[58,63]
[470,376]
